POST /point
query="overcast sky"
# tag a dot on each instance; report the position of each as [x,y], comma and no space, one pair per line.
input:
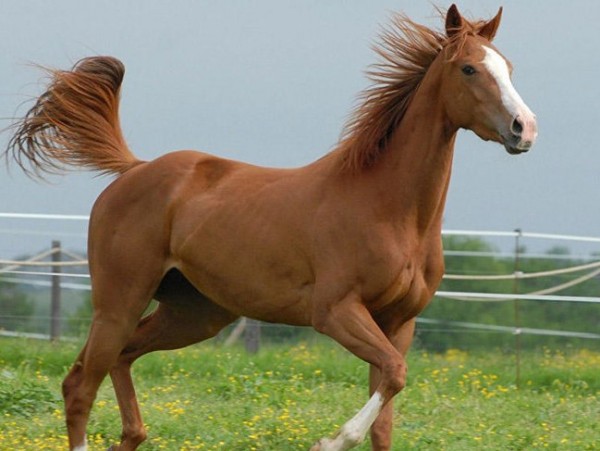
[272,83]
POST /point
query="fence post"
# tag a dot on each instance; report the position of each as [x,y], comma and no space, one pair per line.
[55,293]
[517,316]
[252,336]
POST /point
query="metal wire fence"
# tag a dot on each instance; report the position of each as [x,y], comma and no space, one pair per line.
[54,286]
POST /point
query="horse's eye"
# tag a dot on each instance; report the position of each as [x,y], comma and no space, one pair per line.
[468,70]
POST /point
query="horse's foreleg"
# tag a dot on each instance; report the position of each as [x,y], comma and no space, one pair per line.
[381,431]
[350,324]
[169,327]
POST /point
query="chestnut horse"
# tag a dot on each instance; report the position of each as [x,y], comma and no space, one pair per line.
[350,244]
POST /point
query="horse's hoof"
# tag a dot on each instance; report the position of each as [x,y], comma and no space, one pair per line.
[323,444]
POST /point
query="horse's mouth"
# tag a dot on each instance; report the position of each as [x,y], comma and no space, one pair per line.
[515,146]
[515,150]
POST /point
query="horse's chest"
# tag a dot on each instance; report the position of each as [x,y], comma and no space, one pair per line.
[407,284]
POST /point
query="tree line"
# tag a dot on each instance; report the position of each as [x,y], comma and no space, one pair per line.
[561,316]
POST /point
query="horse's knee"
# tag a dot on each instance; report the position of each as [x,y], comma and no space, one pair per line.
[394,376]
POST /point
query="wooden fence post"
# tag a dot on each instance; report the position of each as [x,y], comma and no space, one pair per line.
[55,293]
[252,336]
[517,316]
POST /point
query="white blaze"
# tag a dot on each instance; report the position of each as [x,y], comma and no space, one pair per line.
[498,68]
[512,101]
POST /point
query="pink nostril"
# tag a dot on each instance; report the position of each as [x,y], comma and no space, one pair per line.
[516,127]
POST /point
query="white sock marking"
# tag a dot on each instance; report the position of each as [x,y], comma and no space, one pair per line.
[366,416]
[355,430]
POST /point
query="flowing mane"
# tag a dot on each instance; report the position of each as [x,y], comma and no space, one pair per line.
[407,49]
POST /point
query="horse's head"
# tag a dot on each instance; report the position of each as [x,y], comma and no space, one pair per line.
[477,89]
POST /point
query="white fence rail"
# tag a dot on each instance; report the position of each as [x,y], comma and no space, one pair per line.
[20,271]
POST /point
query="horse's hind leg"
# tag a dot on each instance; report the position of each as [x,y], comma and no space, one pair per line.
[106,340]
[188,318]
[119,301]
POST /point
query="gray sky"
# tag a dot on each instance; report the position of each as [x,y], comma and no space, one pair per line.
[272,83]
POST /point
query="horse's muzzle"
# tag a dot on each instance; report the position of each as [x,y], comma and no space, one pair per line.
[522,134]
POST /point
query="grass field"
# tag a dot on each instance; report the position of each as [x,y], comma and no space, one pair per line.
[286,397]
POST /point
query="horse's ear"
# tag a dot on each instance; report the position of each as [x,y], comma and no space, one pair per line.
[488,31]
[454,21]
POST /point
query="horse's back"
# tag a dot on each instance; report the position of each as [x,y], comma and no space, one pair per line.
[135,211]
[234,230]
[160,181]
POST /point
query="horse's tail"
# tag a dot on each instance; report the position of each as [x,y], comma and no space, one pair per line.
[75,122]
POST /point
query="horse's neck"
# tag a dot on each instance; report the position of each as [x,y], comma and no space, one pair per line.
[417,165]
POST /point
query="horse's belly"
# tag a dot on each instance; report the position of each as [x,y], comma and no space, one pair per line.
[248,288]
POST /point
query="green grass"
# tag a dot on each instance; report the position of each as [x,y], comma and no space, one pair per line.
[287,397]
